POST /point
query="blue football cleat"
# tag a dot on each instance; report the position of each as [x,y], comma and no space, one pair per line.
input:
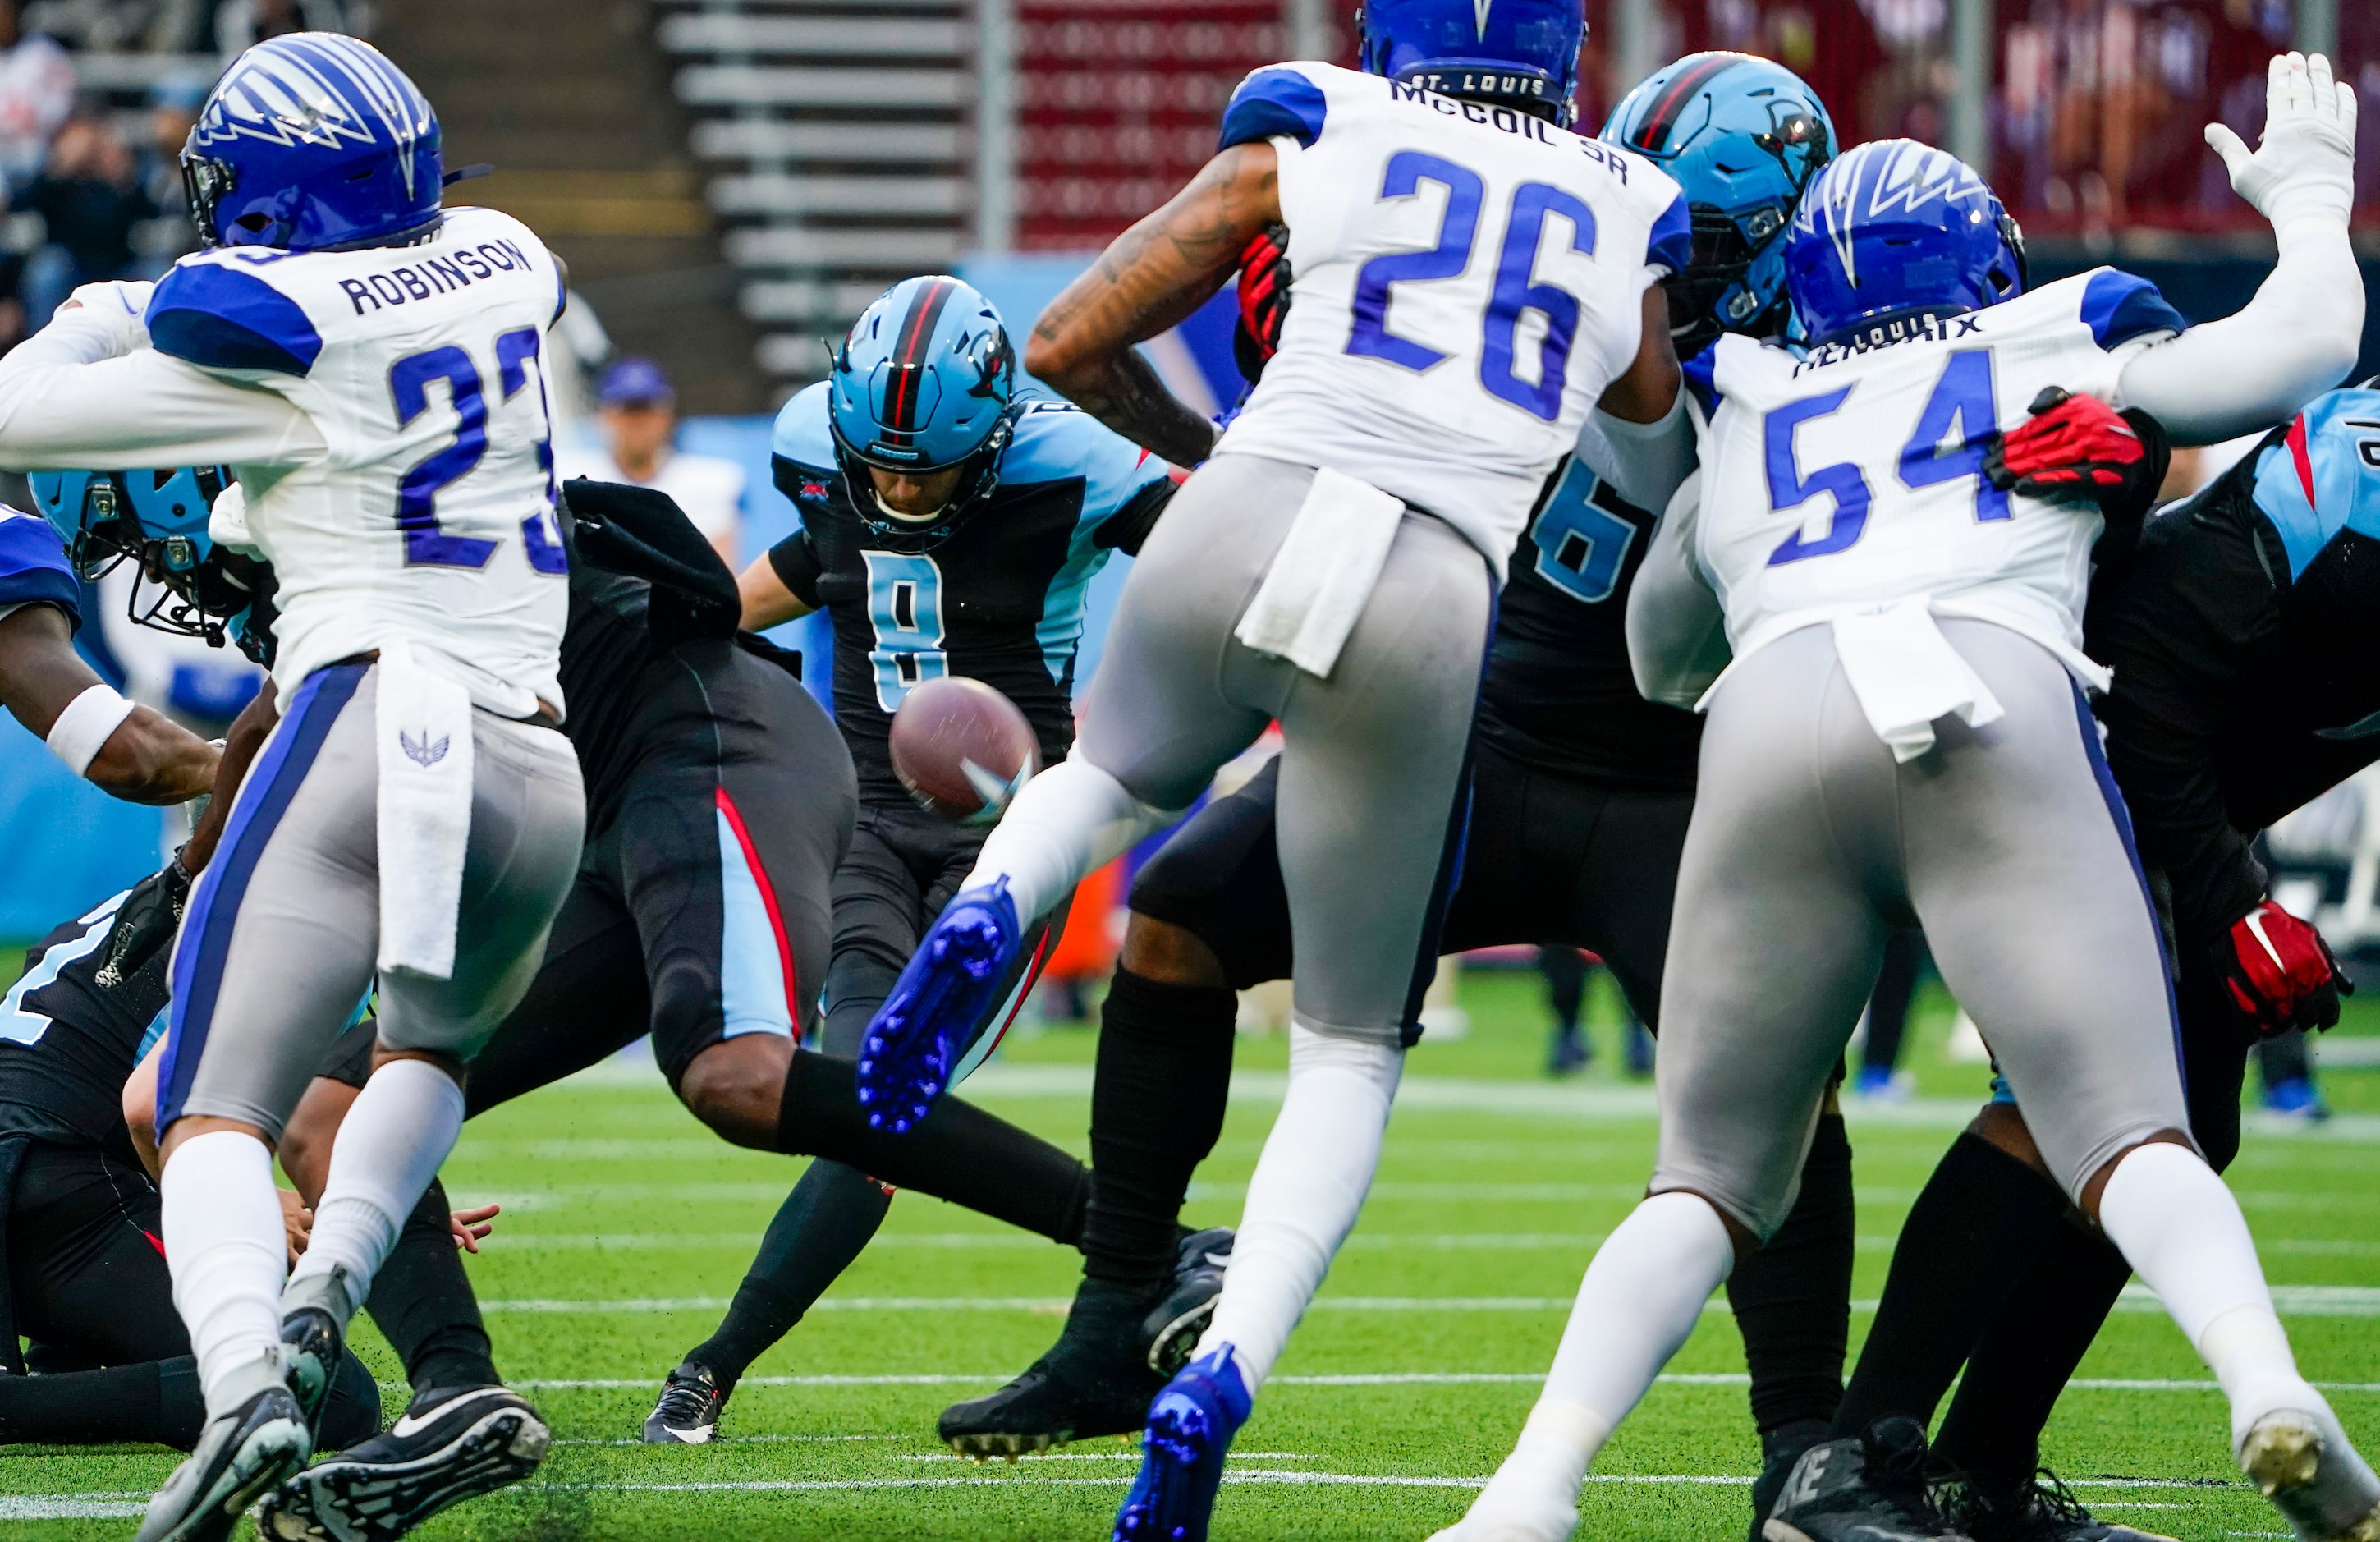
[936,1006]
[1190,1429]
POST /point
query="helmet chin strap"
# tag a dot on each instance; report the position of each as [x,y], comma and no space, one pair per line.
[891,513]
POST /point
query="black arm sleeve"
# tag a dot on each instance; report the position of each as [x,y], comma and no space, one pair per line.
[2182,628]
[1129,525]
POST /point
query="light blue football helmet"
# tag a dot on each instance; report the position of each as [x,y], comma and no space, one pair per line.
[313,142]
[1743,137]
[1521,52]
[1895,229]
[157,520]
[925,382]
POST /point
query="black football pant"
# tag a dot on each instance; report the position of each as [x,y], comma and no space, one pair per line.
[1549,859]
[88,1287]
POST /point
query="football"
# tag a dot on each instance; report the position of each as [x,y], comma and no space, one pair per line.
[962,748]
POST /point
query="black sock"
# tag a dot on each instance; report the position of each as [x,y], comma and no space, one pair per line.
[1982,1220]
[821,1227]
[1793,1298]
[1163,1080]
[153,1401]
[960,1153]
[422,1301]
[2027,1354]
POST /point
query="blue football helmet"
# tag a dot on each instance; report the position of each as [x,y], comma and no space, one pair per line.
[926,380]
[313,142]
[1521,52]
[1896,229]
[1742,136]
[157,521]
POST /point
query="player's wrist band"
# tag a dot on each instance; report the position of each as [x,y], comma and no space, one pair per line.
[85,725]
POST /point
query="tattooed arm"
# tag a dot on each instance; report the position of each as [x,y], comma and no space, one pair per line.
[1155,275]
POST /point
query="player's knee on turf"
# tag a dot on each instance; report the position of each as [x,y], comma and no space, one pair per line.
[738,1087]
[1169,954]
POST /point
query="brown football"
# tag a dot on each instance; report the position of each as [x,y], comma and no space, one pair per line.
[962,748]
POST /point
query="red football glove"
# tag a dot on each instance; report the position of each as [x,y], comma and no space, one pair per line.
[2279,972]
[1264,299]
[2071,444]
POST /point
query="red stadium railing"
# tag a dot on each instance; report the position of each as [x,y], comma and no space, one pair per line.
[2095,112]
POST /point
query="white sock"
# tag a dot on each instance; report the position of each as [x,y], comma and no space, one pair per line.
[1071,820]
[2180,1229]
[1308,1189]
[400,1127]
[226,1252]
[1643,1293]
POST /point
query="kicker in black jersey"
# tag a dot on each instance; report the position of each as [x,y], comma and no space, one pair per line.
[998,598]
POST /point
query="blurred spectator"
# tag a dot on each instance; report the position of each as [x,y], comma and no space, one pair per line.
[1567,972]
[1880,1076]
[151,26]
[37,92]
[174,104]
[241,23]
[636,410]
[90,198]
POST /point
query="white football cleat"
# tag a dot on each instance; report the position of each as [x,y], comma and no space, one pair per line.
[2302,1462]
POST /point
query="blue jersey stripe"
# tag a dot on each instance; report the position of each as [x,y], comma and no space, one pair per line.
[1274,104]
[221,318]
[2118,307]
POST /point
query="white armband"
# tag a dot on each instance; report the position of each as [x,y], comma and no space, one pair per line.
[84,726]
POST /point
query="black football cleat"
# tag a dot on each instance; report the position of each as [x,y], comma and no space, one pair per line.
[239,1456]
[2037,1510]
[311,1345]
[454,1443]
[688,1412]
[1181,1314]
[1865,1488]
[1094,1380]
[1781,1449]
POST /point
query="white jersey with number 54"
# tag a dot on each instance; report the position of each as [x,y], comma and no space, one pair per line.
[1468,279]
[1842,478]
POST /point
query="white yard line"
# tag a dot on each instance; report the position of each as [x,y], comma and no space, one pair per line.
[1358,1378]
[2313,1301]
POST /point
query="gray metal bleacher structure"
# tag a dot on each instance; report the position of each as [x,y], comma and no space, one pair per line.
[838,139]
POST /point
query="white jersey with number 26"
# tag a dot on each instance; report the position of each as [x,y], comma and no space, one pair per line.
[1468,279]
[429,518]
[1841,477]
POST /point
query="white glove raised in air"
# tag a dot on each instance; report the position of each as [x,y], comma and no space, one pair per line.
[2304,167]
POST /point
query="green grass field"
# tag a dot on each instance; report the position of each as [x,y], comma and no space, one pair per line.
[625,1226]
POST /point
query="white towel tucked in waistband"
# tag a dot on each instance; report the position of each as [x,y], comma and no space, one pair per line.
[424,743]
[1906,675]
[1322,576]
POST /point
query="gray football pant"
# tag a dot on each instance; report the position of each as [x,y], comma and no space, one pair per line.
[2007,844]
[283,930]
[1372,759]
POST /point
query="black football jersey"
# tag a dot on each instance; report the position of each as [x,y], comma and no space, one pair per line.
[67,1046]
[998,599]
[1559,693]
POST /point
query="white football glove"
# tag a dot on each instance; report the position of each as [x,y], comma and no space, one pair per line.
[121,309]
[2304,167]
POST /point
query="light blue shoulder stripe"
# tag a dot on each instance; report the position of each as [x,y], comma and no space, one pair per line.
[802,434]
